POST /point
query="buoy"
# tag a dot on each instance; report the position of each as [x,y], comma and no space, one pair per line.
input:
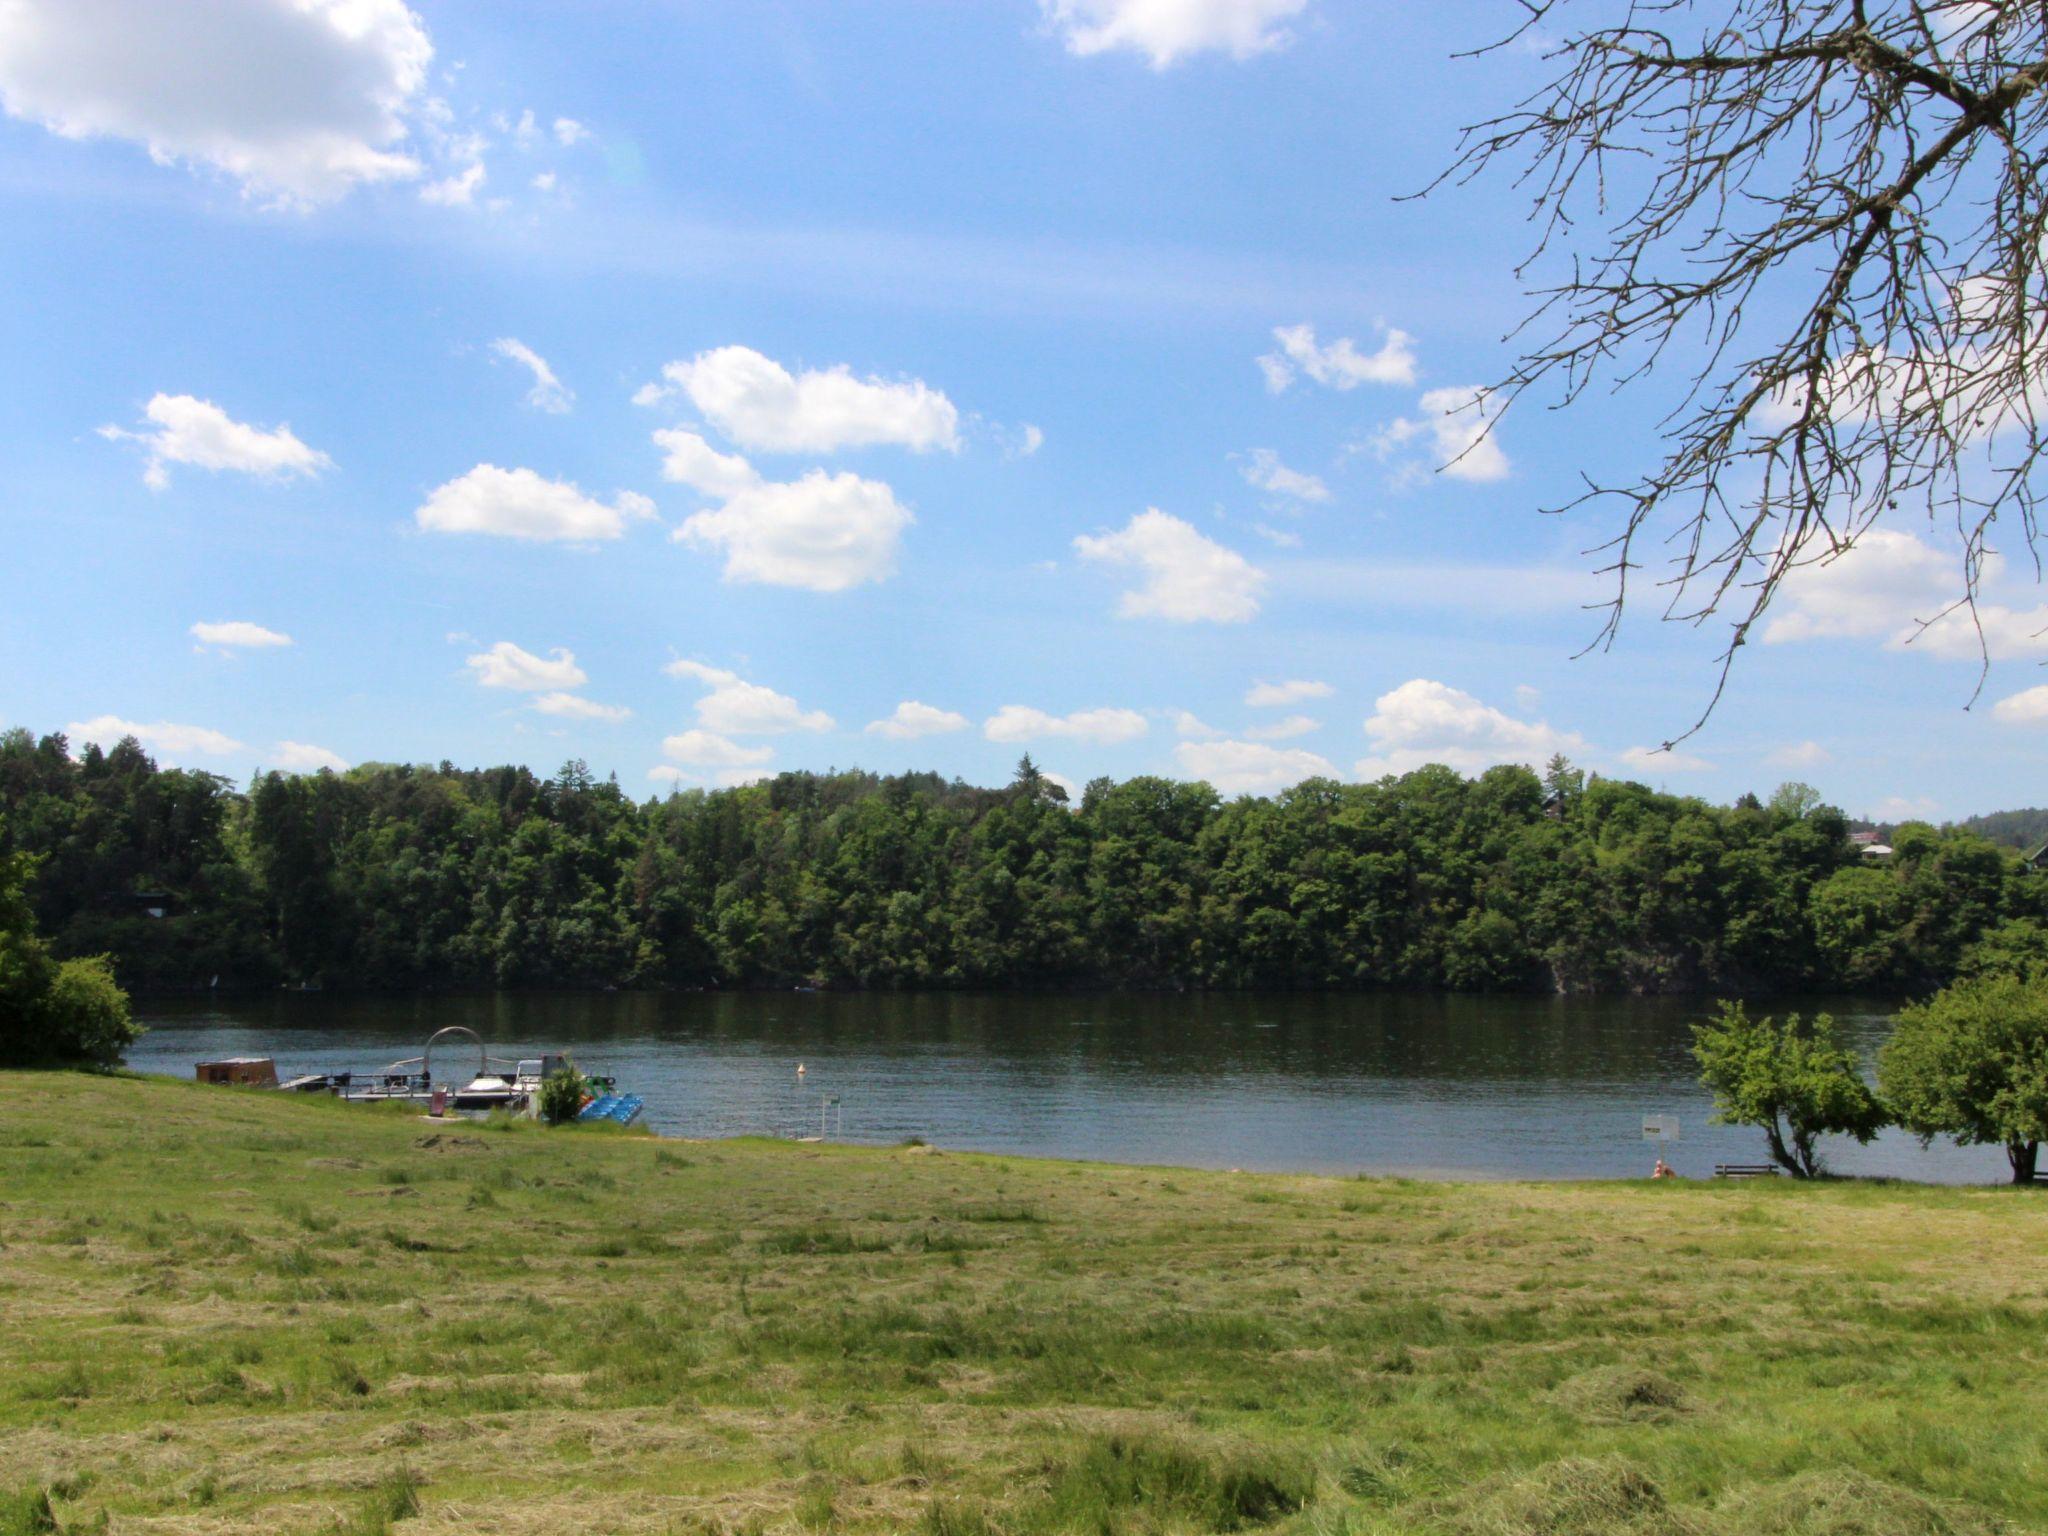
[799,1069]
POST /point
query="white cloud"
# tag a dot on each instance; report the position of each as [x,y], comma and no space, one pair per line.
[1030,440]
[570,706]
[1191,727]
[1526,696]
[238,634]
[2027,708]
[303,757]
[1658,760]
[1188,578]
[664,773]
[298,99]
[1340,365]
[1285,730]
[1458,423]
[545,182]
[1888,583]
[759,404]
[1105,727]
[505,665]
[519,504]
[1279,695]
[1167,31]
[458,190]
[186,430]
[1802,754]
[569,132]
[1424,722]
[736,707]
[707,749]
[1250,767]
[1897,808]
[912,720]
[693,462]
[824,532]
[162,736]
[548,393]
[1264,470]
[1279,536]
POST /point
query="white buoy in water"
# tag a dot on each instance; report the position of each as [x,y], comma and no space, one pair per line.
[799,1069]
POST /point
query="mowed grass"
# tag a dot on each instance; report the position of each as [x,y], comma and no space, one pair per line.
[224,1311]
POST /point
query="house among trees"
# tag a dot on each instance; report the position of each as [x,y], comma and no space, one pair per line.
[1866,843]
[2038,859]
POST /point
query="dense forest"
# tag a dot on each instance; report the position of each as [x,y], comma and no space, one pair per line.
[412,876]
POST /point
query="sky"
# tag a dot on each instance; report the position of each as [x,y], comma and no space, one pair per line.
[708,388]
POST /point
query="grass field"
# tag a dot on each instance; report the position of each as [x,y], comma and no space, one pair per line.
[233,1312]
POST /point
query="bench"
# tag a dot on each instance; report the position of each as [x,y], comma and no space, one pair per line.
[1745,1170]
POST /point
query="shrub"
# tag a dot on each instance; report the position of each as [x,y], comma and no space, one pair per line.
[562,1094]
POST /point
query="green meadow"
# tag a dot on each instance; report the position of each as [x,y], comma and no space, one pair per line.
[229,1311]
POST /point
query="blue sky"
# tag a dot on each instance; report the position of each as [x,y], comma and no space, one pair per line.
[691,387]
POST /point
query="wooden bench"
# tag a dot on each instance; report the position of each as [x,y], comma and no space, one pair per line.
[1745,1170]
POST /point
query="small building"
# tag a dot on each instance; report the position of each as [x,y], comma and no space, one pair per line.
[240,1071]
[1867,844]
[149,903]
[2038,859]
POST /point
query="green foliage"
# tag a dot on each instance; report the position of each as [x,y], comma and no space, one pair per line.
[2015,948]
[1972,1063]
[1795,1081]
[50,1011]
[411,876]
[562,1093]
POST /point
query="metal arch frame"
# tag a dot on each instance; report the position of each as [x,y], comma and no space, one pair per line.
[427,1057]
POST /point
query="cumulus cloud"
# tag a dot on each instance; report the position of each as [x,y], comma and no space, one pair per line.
[519,504]
[912,720]
[1424,722]
[1340,364]
[1263,469]
[759,404]
[1280,695]
[1192,727]
[570,706]
[1104,727]
[2027,708]
[162,736]
[296,99]
[184,430]
[689,460]
[708,749]
[1892,584]
[1285,730]
[457,190]
[505,665]
[1167,31]
[1800,754]
[1897,808]
[1250,767]
[1660,760]
[1456,430]
[1189,578]
[569,132]
[733,706]
[548,393]
[303,757]
[238,634]
[825,532]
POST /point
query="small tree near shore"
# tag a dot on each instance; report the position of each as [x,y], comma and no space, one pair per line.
[1972,1063]
[562,1093]
[1795,1081]
[52,1012]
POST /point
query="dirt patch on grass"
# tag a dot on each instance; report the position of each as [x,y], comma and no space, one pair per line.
[1623,1394]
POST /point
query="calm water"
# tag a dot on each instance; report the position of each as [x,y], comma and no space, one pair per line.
[1453,1086]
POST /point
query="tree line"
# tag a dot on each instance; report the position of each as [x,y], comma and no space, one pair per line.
[417,876]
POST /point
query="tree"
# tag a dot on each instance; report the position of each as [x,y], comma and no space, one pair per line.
[1839,206]
[50,1011]
[1795,1081]
[1972,1063]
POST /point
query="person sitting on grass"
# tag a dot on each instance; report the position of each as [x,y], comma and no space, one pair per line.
[1663,1170]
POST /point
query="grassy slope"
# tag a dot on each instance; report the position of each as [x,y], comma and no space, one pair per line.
[225,1311]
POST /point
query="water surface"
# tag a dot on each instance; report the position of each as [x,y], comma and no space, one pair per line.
[1468,1087]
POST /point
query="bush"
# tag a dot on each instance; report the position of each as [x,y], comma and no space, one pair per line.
[87,1013]
[562,1094]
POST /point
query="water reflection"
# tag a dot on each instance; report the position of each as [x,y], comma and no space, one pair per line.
[1466,1086]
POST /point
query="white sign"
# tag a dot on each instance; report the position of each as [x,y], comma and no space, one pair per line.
[1660,1127]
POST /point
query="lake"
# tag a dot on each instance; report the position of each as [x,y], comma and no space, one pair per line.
[1463,1087]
